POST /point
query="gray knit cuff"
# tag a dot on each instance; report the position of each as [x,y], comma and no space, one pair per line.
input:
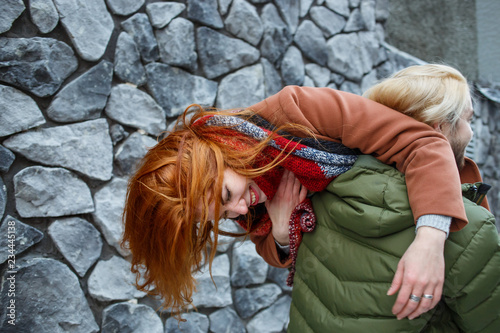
[440,222]
[283,248]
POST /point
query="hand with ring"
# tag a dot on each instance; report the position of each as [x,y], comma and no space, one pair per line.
[420,275]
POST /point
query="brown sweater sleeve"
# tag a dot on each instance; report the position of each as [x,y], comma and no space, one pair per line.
[266,248]
[416,149]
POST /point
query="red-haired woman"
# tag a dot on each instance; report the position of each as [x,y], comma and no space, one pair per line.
[257,166]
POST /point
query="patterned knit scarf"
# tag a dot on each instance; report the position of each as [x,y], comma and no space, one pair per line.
[314,162]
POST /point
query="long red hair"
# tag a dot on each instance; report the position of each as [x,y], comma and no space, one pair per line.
[167,227]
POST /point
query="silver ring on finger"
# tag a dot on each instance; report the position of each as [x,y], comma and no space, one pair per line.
[415,298]
[427,296]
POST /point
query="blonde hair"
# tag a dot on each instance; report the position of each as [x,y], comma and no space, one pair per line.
[431,93]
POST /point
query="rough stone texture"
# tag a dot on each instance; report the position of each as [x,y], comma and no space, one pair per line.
[88,26]
[9,12]
[38,65]
[52,299]
[133,107]
[226,320]
[244,22]
[128,66]
[292,67]
[3,197]
[84,147]
[124,7]
[339,6]
[85,97]
[273,319]
[224,6]
[44,15]
[177,44]
[329,22]
[42,191]
[353,54]
[205,12]
[279,276]
[247,266]
[16,238]
[112,280]
[248,301]
[195,323]
[175,89]
[129,317]
[320,75]
[109,204]
[161,13]
[117,133]
[277,35]
[225,242]
[78,241]
[220,54]
[310,40]
[19,111]
[140,29]
[305,6]
[289,10]
[242,88]
[272,79]
[207,294]
[131,151]
[6,159]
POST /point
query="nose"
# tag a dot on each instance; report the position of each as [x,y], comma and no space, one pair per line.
[239,208]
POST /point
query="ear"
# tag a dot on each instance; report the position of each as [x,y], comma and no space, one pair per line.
[438,127]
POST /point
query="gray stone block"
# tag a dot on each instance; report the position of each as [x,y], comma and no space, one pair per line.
[109,205]
[205,12]
[124,7]
[277,35]
[273,319]
[17,237]
[242,88]
[129,317]
[292,67]
[19,111]
[247,266]
[133,107]
[83,147]
[311,41]
[6,159]
[128,66]
[175,89]
[89,27]
[244,22]
[209,295]
[226,320]
[41,192]
[139,27]
[78,241]
[220,54]
[112,280]
[85,97]
[129,153]
[48,299]
[195,323]
[50,60]
[44,15]
[330,22]
[177,44]
[161,13]
[249,301]
[10,10]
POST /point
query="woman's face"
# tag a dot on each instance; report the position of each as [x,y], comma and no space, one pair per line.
[238,194]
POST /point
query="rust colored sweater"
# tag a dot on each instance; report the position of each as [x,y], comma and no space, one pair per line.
[414,148]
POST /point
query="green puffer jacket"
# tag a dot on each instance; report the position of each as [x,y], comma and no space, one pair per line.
[364,226]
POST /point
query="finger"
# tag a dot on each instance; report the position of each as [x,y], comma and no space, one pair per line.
[412,303]
[296,185]
[397,280]
[303,193]
[424,305]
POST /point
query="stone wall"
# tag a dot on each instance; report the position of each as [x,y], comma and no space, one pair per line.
[86,87]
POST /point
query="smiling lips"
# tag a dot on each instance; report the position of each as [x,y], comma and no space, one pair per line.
[254,197]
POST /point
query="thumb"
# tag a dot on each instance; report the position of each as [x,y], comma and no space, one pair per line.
[397,281]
